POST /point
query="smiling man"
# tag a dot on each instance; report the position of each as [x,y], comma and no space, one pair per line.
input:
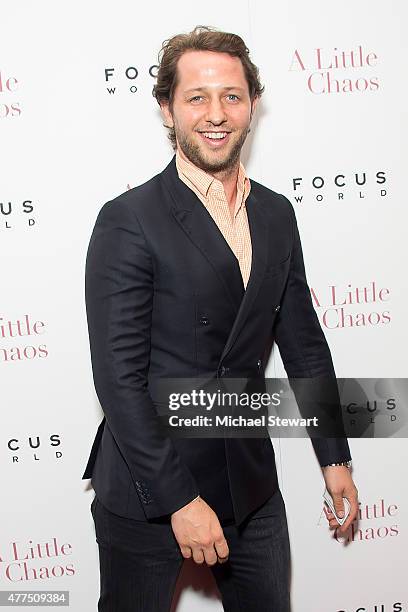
[194,274]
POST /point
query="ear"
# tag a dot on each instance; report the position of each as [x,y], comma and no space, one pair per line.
[254,104]
[166,113]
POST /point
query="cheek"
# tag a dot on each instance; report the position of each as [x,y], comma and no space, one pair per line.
[189,119]
[240,118]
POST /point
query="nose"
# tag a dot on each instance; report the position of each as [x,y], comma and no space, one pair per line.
[215,112]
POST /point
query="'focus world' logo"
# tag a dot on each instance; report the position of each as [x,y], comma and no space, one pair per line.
[34,447]
[338,185]
[125,78]
[397,606]
[14,213]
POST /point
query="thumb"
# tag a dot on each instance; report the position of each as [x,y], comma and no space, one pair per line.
[338,504]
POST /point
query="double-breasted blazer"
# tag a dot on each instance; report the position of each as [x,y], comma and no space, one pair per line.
[165,298]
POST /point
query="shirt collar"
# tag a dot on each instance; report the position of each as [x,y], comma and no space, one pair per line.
[202,181]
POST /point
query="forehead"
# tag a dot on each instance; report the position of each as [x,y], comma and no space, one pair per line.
[209,69]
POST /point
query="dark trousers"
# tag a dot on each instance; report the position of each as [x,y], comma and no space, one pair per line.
[140,562]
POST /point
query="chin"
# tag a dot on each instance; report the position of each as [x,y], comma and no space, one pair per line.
[216,156]
[216,164]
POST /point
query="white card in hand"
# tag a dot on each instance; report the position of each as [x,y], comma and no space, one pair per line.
[329,501]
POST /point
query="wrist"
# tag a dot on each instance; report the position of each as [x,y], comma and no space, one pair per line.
[182,509]
[190,503]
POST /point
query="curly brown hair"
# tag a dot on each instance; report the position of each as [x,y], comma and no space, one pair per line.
[202,38]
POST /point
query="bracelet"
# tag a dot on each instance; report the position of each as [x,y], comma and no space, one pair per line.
[345,463]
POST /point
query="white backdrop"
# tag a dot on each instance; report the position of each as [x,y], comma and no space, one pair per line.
[70,141]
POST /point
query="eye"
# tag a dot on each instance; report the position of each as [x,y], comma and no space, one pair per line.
[195,98]
[233,96]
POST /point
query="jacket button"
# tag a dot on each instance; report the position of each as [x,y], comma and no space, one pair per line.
[223,371]
[259,363]
[204,320]
[277,308]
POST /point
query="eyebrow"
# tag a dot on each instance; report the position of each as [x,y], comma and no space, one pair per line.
[204,88]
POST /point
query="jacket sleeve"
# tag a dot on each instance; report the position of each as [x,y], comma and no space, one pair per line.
[119,299]
[306,355]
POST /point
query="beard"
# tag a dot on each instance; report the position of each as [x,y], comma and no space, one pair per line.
[223,163]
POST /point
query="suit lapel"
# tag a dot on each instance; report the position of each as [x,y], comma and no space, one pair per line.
[259,231]
[196,221]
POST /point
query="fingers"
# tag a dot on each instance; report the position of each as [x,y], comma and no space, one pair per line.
[198,555]
[331,518]
[222,549]
[199,534]
[353,499]
[210,554]
[186,552]
[338,504]
[201,555]
[333,523]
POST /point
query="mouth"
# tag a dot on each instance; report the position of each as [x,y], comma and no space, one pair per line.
[215,139]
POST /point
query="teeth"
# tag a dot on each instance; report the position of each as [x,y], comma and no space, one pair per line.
[214,135]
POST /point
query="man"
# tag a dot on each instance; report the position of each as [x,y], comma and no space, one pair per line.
[191,275]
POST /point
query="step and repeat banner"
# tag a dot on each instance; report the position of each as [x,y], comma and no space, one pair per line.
[79,126]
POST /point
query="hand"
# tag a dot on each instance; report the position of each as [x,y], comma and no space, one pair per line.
[199,533]
[339,484]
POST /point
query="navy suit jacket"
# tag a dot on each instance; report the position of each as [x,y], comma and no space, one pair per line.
[165,298]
